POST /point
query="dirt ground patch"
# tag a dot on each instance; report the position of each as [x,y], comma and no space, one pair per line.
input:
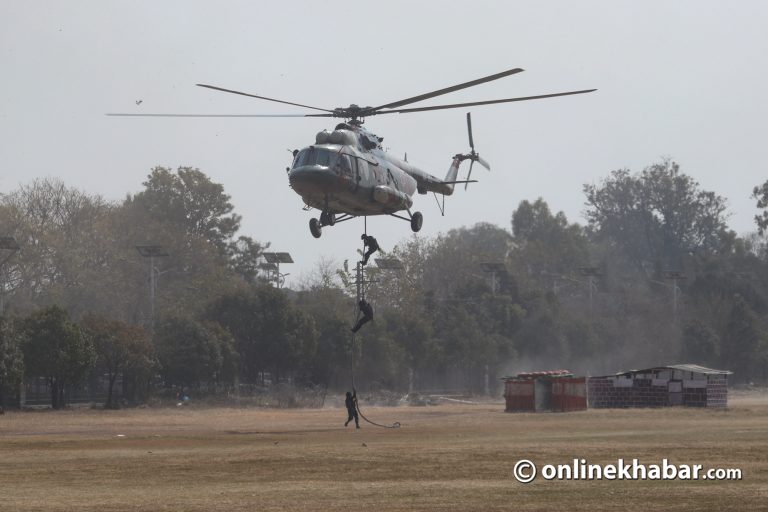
[447,457]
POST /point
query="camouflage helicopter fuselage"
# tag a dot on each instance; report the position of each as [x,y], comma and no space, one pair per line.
[347,172]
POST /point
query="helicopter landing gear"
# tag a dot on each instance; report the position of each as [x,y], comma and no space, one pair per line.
[416,221]
[327,219]
[315,227]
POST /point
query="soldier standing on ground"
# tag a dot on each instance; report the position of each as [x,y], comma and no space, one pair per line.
[351,403]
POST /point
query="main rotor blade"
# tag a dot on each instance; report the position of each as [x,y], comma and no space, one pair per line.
[475,103]
[469,130]
[449,89]
[261,97]
[204,115]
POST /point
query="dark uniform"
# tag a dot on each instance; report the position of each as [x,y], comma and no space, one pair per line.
[351,403]
[367,311]
[371,244]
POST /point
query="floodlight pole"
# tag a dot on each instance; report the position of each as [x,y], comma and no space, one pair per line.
[7,243]
[590,273]
[359,280]
[496,270]
[152,252]
[273,273]
[494,284]
[674,275]
[152,288]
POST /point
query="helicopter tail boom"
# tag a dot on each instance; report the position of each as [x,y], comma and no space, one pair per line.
[450,178]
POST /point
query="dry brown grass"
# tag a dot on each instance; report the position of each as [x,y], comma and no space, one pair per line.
[451,457]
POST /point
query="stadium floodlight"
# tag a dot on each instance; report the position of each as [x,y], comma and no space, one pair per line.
[271,257]
[9,243]
[275,259]
[496,269]
[152,251]
[284,257]
[389,264]
[493,267]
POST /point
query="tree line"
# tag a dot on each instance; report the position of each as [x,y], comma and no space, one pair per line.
[654,276]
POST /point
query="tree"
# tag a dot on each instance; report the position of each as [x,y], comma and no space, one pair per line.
[119,347]
[55,348]
[58,229]
[761,194]
[657,216]
[743,346]
[189,353]
[459,255]
[190,199]
[270,334]
[245,256]
[546,243]
[331,309]
[701,344]
[11,359]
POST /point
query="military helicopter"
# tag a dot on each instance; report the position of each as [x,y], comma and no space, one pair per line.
[346,173]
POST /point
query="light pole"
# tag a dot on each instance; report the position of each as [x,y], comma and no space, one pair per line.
[674,275]
[152,252]
[7,244]
[497,271]
[274,259]
[590,273]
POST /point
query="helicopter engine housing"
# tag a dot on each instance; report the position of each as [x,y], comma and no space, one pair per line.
[342,137]
[388,196]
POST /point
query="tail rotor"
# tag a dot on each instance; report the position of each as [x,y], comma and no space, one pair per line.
[473,156]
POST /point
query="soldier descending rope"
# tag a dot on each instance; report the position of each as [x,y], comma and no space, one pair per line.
[364,313]
[367,311]
[372,245]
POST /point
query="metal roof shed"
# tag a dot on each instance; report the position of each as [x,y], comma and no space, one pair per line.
[556,391]
[661,386]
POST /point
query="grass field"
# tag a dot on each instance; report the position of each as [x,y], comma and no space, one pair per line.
[448,457]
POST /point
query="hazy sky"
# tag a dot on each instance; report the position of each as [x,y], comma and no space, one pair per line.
[682,79]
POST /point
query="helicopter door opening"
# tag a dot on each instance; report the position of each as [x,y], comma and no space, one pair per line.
[349,171]
[363,172]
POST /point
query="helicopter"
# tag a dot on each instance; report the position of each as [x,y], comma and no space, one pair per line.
[347,173]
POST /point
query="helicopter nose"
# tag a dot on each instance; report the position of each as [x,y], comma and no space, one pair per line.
[312,178]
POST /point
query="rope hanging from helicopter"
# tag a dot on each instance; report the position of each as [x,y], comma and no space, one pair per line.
[353,351]
[362,285]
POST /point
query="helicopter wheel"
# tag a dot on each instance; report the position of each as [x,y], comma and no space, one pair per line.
[315,228]
[416,220]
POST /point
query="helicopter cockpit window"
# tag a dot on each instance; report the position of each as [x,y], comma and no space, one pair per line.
[315,156]
[301,158]
[324,157]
